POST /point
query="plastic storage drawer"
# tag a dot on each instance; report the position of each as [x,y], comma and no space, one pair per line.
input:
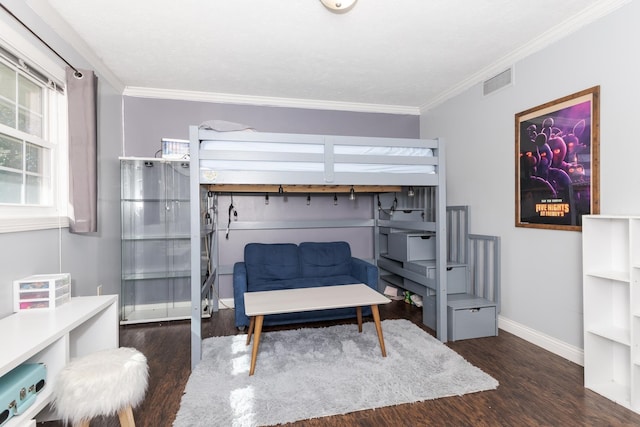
[41,291]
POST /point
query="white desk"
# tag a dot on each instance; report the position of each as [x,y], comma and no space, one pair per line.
[53,337]
[259,304]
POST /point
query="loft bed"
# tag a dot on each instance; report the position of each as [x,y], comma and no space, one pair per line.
[240,161]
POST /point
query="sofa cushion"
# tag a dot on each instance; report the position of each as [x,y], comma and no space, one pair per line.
[307,282]
[320,259]
[275,261]
[342,279]
[274,285]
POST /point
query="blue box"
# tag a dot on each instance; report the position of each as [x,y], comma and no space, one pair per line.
[19,387]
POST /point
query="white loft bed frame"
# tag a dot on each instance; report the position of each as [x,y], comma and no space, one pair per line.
[256,162]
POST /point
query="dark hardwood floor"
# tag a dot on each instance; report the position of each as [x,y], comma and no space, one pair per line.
[537,388]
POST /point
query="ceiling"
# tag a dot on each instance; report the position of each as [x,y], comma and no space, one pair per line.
[406,55]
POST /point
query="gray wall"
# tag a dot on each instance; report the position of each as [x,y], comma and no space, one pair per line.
[91,259]
[147,121]
[541,269]
[95,258]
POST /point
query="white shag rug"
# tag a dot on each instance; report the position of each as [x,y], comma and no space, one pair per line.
[316,372]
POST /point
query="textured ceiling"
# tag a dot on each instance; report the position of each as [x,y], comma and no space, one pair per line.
[408,53]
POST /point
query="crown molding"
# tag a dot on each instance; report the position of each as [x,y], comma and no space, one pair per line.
[589,15]
[225,98]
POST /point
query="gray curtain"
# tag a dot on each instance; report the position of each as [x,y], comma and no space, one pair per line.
[83,145]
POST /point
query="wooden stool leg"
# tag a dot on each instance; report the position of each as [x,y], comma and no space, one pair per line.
[359,316]
[126,417]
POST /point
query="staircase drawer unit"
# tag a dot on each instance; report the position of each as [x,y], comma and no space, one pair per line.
[469,316]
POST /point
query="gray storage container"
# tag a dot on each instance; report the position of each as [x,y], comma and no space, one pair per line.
[456,274]
[469,316]
[411,246]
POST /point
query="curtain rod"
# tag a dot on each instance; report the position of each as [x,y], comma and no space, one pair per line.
[76,73]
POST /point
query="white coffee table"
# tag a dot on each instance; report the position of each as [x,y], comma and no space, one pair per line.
[259,304]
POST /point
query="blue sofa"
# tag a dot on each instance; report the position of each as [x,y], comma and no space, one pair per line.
[270,266]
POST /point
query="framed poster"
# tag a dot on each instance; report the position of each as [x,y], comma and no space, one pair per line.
[557,162]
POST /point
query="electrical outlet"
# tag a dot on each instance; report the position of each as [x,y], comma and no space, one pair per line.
[99,290]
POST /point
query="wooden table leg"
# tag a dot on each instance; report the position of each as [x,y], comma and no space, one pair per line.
[256,343]
[376,319]
[359,316]
[252,320]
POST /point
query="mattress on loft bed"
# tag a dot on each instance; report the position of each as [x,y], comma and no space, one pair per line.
[395,157]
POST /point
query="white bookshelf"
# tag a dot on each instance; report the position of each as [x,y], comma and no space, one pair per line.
[611,296]
[54,337]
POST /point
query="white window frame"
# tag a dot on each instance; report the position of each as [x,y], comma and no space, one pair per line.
[15,218]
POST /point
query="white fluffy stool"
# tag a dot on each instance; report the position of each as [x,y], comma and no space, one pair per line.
[102,383]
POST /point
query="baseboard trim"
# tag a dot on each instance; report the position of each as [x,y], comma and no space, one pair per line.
[224,303]
[562,349]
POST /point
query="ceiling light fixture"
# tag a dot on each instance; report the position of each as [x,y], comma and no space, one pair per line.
[338,5]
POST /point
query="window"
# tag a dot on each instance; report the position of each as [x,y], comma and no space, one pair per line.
[33,165]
